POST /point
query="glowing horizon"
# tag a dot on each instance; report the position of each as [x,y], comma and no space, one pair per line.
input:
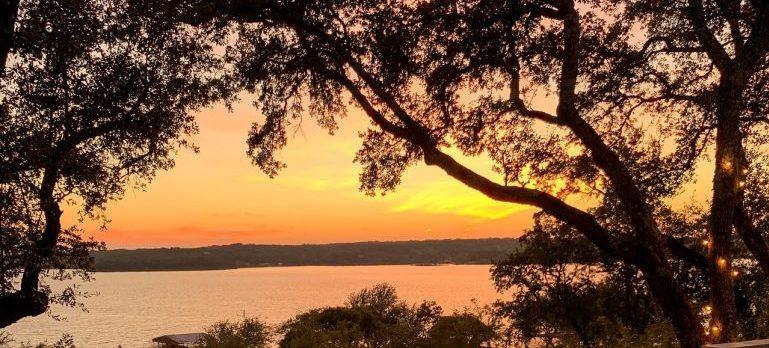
[218,197]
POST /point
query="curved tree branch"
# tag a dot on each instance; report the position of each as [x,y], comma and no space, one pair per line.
[751,237]
[707,39]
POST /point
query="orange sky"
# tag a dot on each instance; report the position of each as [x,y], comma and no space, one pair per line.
[218,197]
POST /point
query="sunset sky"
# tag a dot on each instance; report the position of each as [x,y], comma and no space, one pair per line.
[218,197]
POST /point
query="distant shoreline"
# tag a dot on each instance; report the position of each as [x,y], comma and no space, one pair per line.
[235,256]
[289,266]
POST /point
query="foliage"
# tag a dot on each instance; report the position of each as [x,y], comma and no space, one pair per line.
[95,99]
[375,317]
[463,330]
[248,333]
[609,103]
[460,251]
[565,293]
[66,341]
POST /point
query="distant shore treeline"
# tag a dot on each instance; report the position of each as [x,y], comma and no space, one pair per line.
[457,251]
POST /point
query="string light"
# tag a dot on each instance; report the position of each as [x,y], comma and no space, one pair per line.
[707,309]
[735,273]
[727,165]
[741,184]
[721,261]
[715,330]
[705,243]
[745,171]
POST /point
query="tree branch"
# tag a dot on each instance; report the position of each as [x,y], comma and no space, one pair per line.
[581,221]
[688,255]
[578,219]
[751,237]
[19,305]
[757,43]
[707,39]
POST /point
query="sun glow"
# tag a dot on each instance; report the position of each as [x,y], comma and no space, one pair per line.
[219,197]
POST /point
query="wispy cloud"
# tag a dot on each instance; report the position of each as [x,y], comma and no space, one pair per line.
[447,197]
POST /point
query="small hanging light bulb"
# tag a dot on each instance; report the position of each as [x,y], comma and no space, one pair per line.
[744,171]
[721,261]
[741,184]
[705,243]
[735,273]
[727,165]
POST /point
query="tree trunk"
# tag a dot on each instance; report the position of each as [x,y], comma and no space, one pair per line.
[727,187]
[673,301]
[30,300]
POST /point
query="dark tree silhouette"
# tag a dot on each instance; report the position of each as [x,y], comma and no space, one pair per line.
[641,90]
[95,99]
[376,317]
[8,11]
[719,50]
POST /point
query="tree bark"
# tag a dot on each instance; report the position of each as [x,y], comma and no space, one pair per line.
[727,187]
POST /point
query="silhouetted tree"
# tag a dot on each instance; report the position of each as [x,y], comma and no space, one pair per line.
[248,333]
[705,62]
[373,317]
[95,99]
[376,317]
[441,73]
[565,293]
[460,331]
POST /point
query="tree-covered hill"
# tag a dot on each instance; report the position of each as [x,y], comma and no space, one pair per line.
[458,251]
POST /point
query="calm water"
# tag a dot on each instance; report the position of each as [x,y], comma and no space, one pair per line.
[131,308]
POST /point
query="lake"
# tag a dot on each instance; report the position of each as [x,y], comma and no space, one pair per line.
[133,307]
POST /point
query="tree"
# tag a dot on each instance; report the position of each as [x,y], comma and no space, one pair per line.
[719,50]
[376,317]
[249,333]
[373,317]
[443,73]
[565,293]
[460,331]
[95,99]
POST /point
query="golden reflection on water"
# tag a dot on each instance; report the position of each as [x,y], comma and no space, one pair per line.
[131,308]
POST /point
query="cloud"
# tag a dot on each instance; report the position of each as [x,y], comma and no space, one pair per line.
[448,197]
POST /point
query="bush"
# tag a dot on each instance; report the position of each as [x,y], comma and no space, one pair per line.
[249,333]
[460,331]
[375,317]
